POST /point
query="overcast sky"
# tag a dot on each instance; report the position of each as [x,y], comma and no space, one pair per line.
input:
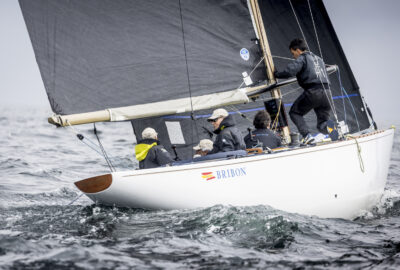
[369,31]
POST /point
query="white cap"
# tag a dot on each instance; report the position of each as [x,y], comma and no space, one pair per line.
[204,145]
[218,113]
[149,133]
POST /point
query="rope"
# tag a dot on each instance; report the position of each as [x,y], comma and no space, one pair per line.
[74,200]
[104,154]
[84,139]
[80,137]
[315,29]
[188,76]
[298,23]
[274,125]
[103,150]
[328,96]
[351,104]
[360,160]
[282,57]
[251,72]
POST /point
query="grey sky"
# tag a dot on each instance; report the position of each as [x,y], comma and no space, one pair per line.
[369,31]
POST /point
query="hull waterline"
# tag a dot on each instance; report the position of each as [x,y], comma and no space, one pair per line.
[335,180]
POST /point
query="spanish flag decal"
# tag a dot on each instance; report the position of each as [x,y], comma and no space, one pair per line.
[207,175]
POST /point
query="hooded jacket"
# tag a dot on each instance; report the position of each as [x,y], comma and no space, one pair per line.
[151,154]
[309,70]
[229,138]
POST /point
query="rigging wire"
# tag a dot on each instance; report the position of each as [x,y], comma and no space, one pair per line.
[298,23]
[282,57]
[83,139]
[92,145]
[251,72]
[194,126]
[315,29]
[351,104]
[327,93]
[110,165]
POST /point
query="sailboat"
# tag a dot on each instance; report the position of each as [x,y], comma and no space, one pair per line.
[168,64]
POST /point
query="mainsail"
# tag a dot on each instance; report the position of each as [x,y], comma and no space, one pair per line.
[165,64]
[98,55]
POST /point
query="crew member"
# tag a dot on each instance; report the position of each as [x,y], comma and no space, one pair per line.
[149,152]
[262,136]
[229,138]
[312,77]
[203,148]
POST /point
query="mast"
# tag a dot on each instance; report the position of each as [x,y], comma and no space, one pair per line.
[269,63]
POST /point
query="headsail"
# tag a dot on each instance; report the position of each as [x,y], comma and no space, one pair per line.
[288,19]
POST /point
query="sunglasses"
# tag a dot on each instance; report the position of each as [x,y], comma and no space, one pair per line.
[213,120]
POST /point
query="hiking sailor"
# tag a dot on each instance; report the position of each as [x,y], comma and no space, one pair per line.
[263,136]
[312,77]
[229,138]
[149,152]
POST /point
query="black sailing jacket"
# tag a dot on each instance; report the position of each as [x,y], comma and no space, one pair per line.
[229,138]
[308,68]
[151,154]
[266,136]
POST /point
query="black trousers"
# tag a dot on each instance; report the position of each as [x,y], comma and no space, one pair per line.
[311,99]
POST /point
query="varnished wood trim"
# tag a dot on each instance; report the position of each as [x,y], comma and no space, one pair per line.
[95,184]
[254,151]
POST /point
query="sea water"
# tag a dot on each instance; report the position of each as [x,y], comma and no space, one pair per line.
[40,229]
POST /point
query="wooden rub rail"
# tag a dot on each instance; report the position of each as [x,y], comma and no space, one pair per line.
[94,184]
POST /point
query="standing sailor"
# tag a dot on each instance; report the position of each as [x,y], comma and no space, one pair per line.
[149,152]
[229,138]
[312,77]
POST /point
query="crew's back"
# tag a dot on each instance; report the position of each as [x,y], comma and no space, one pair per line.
[149,152]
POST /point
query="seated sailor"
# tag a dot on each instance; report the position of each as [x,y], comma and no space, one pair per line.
[229,138]
[262,136]
[149,152]
[203,148]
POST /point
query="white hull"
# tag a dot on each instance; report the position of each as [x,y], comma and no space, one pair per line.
[325,180]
